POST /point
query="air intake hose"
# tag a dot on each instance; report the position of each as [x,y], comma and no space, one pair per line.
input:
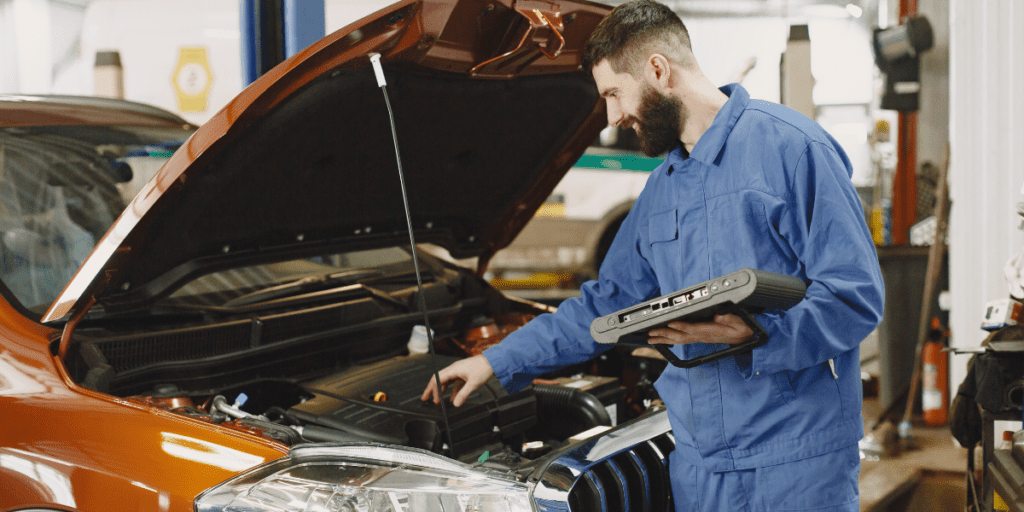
[582,410]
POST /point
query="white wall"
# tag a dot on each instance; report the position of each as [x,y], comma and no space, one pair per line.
[26,41]
[39,43]
[842,66]
[149,34]
[340,13]
[986,128]
[933,117]
[9,75]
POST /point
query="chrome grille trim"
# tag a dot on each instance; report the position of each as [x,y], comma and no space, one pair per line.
[622,470]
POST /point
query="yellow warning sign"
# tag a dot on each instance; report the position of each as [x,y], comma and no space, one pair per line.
[998,503]
[192,79]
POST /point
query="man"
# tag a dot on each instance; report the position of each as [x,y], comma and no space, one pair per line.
[745,184]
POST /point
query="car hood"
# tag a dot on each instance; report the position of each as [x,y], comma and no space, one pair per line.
[491,109]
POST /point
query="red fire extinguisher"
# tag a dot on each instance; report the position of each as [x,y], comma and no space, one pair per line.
[934,388]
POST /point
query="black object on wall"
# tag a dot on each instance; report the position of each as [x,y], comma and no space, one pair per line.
[897,51]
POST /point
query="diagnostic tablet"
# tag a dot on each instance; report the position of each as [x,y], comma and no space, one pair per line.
[744,293]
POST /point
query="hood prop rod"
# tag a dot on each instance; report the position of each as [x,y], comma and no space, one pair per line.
[69,328]
[379,72]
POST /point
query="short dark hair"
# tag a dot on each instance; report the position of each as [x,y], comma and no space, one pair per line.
[634,30]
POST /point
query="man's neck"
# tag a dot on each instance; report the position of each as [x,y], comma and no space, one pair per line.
[701,101]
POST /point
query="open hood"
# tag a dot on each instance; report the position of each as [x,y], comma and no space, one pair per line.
[491,110]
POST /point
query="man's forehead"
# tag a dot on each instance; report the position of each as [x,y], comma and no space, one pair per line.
[607,80]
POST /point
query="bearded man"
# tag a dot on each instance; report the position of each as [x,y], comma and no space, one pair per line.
[745,183]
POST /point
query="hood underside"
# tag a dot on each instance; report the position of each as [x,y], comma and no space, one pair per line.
[303,160]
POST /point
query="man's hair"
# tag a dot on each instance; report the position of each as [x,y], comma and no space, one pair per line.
[632,32]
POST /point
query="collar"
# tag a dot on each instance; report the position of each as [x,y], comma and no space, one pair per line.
[713,140]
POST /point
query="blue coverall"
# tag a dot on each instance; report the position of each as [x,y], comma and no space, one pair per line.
[766,188]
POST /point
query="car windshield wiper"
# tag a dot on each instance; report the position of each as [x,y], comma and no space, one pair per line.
[347,292]
[304,285]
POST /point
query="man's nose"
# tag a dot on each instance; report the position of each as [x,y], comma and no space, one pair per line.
[614,113]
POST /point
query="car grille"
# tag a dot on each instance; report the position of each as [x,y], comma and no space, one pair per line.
[624,469]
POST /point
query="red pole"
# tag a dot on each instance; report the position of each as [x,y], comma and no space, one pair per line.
[904,189]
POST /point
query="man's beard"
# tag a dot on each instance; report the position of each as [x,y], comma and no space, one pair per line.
[660,121]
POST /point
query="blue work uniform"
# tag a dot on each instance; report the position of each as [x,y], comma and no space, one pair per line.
[766,188]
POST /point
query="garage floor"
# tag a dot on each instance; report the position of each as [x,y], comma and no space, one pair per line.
[929,478]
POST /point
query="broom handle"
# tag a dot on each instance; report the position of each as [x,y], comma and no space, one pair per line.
[931,279]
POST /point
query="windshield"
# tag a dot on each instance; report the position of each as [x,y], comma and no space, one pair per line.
[61,187]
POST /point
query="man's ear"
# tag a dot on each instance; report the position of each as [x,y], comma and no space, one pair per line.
[658,72]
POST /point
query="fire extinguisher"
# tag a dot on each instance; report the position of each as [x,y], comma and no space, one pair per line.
[934,389]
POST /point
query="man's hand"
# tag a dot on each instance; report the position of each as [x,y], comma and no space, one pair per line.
[724,329]
[464,376]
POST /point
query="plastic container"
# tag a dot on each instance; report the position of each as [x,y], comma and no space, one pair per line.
[419,343]
[881,222]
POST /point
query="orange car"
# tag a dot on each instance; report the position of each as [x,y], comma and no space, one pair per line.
[232,333]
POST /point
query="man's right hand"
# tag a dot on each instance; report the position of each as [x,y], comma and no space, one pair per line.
[466,376]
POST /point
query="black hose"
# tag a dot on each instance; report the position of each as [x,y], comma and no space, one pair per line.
[579,405]
[347,428]
[318,434]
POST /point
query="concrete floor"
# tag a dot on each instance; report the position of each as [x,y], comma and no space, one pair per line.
[931,477]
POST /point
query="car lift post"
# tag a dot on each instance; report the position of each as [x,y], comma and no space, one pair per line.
[273,30]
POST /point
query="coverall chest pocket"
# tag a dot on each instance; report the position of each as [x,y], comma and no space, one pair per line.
[663,234]
[740,236]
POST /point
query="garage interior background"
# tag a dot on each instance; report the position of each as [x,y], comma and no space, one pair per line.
[972,88]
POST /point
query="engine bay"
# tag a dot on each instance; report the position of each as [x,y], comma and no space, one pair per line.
[331,364]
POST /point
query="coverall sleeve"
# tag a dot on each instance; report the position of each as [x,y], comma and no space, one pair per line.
[823,222]
[554,340]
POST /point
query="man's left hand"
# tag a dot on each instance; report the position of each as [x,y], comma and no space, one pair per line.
[723,329]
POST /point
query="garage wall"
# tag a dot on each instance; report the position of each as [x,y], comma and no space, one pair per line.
[933,117]
[987,170]
[39,45]
[25,44]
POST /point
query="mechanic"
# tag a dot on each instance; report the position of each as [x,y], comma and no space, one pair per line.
[746,183]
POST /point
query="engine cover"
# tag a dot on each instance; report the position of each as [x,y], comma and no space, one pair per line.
[351,401]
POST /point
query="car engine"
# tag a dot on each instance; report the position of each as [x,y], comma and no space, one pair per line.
[332,365]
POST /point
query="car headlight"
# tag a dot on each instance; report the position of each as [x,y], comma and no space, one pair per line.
[336,478]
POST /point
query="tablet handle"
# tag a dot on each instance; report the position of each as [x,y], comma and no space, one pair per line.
[760,338]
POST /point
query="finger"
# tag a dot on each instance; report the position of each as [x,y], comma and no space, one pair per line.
[430,392]
[427,391]
[732,321]
[669,336]
[680,332]
[681,326]
[699,331]
[735,324]
[661,341]
[461,392]
[662,336]
[457,386]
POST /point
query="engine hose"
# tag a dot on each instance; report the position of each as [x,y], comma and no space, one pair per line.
[580,404]
[221,404]
[345,427]
[318,434]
